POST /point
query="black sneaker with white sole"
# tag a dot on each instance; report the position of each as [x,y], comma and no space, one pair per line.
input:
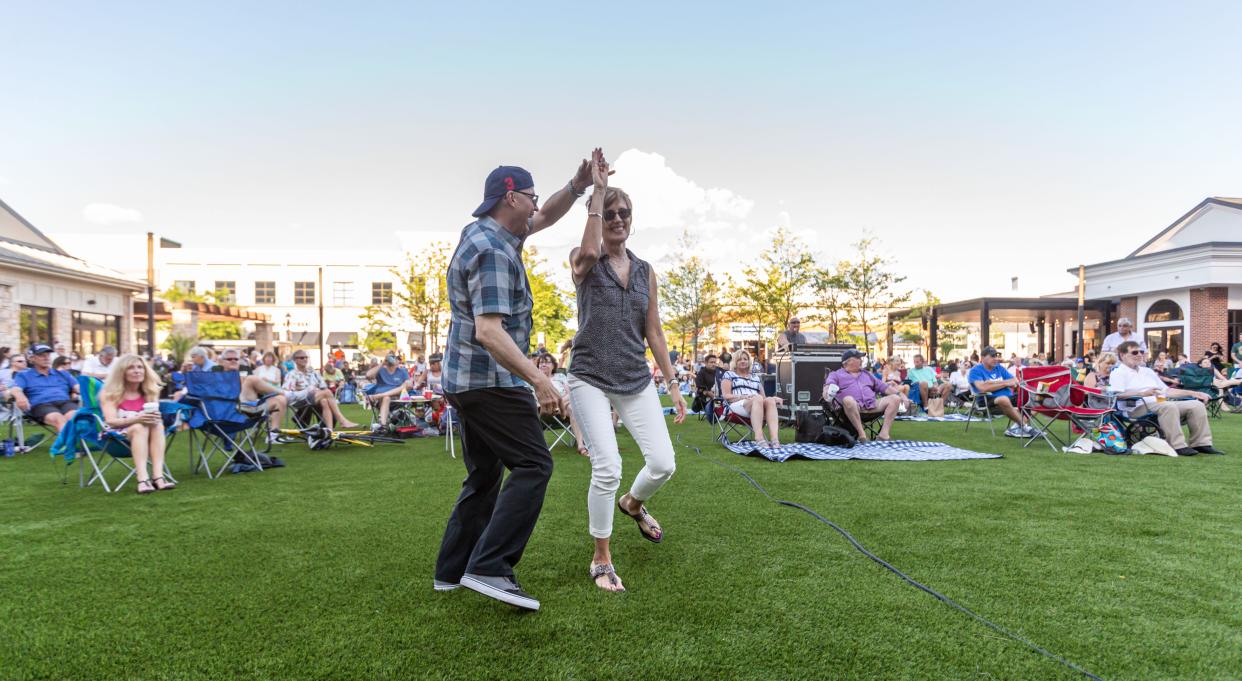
[503,589]
[443,586]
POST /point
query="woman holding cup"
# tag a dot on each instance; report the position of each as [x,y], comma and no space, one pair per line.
[129,400]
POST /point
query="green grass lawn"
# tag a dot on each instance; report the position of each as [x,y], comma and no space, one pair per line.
[1129,566]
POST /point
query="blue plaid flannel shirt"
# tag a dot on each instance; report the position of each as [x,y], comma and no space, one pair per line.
[485,276]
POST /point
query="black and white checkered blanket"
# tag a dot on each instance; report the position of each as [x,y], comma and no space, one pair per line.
[957,418]
[893,450]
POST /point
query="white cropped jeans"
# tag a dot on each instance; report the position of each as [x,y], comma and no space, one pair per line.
[643,416]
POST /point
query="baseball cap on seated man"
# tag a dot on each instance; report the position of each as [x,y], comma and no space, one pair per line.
[40,348]
[501,181]
[851,354]
[989,350]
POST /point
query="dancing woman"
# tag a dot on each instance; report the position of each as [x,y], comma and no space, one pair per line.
[618,319]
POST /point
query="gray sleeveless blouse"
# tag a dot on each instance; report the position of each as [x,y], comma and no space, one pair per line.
[610,346]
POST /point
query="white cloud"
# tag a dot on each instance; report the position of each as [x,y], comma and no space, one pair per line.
[109,214]
[3,180]
[665,204]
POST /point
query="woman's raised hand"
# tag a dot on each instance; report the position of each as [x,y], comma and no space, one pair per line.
[599,169]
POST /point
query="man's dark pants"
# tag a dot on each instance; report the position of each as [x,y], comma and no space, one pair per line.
[490,524]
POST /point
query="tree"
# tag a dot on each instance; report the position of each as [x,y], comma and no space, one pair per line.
[178,346]
[377,335]
[778,288]
[871,287]
[689,295]
[833,299]
[551,310]
[422,290]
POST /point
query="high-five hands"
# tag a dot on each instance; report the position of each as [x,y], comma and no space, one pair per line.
[599,169]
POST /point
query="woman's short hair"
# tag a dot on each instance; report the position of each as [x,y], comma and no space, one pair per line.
[198,351]
[738,355]
[1106,358]
[548,357]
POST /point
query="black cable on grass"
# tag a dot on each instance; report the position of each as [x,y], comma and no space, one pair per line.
[888,566]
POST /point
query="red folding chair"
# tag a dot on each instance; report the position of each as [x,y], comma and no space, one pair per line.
[1042,397]
[730,426]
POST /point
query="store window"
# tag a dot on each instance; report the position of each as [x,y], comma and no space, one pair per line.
[1163,328]
[381,292]
[36,325]
[303,293]
[1235,330]
[265,293]
[342,293]
[1164,311]
[185,286]
[226,292]
[92,331]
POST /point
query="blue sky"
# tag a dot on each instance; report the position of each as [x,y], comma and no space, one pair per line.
[1017,140]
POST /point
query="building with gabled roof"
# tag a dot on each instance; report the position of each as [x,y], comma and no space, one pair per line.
[1182,287]
[49,296]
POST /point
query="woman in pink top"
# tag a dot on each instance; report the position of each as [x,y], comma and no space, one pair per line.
[131,384]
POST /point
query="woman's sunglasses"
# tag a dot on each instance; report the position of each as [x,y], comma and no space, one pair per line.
[623,213]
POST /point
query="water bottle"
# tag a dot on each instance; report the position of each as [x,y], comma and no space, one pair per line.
[833,390]
[8,448]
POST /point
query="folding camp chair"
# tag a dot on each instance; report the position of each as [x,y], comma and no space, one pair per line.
[218,428]
[1047,394]
[980,407]
[16,423]
[730,426]
[400,411]
[1202,380]
[102,447]
[1136,427]
[448,425]
[560,429]
[872,419]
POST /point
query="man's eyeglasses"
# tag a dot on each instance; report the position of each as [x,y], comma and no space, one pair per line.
[299,356]
[534,198]
[624,213]
[229,359]
[1135,352]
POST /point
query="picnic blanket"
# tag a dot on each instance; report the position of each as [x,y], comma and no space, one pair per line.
[892,450]
[947,417]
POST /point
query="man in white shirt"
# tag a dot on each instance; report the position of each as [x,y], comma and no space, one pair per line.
[99,365]
[1125,332]
[1132,379]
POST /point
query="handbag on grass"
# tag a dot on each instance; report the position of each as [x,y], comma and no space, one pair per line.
[935,407]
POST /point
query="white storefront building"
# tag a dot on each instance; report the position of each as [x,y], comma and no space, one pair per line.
[288,286]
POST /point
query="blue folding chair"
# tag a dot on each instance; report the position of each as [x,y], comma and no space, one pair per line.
[218,427]
[102,447]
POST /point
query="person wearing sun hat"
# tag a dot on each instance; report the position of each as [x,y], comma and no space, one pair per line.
[486,374]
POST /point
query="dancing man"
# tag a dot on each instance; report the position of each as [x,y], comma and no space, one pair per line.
[618,319]
[485,365]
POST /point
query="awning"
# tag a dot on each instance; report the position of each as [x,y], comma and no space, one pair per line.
[341,338]
[207,312]
[304,337]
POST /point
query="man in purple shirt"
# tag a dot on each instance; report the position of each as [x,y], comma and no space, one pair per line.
[857,390]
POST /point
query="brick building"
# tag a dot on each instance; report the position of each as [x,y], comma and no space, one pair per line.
[48,295]
[1183,287]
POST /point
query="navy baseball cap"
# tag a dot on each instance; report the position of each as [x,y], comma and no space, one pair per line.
[40,348]
[851,354]
[501,181]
